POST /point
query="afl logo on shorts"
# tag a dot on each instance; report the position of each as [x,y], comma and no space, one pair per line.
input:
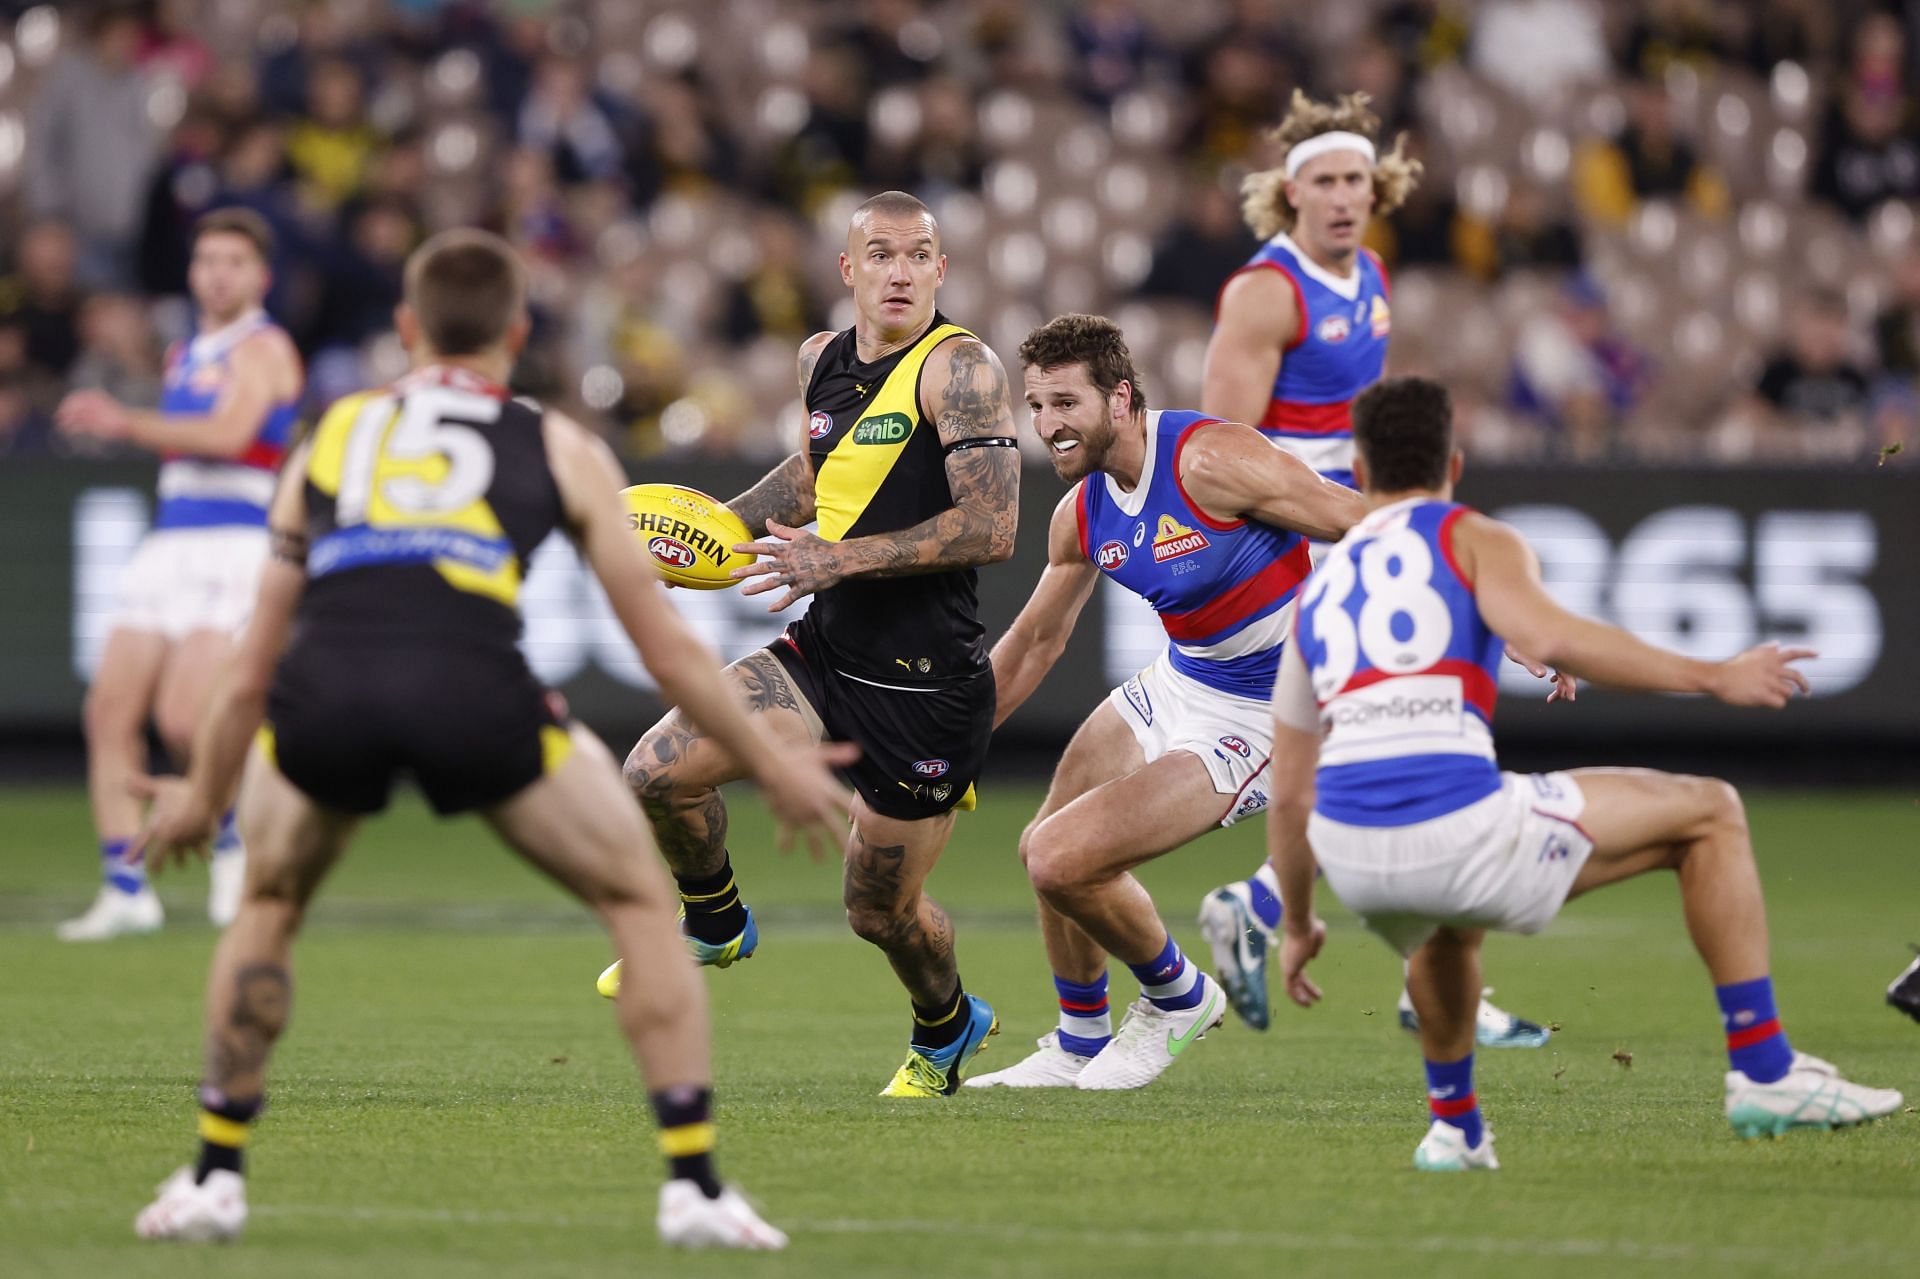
[1112,555]
[670,551]
[930,767]
[1238,747]
[819,426]
[1333,329]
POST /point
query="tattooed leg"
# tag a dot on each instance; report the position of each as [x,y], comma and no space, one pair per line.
[291,845]
[676,772]
[886,870]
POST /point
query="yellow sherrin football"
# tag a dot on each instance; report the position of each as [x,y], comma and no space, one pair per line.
[689,536]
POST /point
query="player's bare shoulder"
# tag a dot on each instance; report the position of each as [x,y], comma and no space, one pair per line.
[963,389]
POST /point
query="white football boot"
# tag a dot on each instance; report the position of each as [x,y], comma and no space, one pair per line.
[1807,1096]
[115,914]
[1493,1026]
[1445,1149]
[211,1211]
[688,1219]
[1051,1067]
[1151,1038]
[226,874]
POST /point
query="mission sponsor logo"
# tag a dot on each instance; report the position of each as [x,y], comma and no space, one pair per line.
[671,551]
[889,428]
[1382,318]
[669,538]
[819,426]
[1175,539]
[1111,555]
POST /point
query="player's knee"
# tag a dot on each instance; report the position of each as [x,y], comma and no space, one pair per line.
[884,924]
[110,718]
[1717,807]
[176,725]
[653,768]
[1054,859]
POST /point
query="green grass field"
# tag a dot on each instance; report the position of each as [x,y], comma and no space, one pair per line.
[453,1100]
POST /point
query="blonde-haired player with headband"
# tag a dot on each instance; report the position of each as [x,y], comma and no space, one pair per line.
[1299,332]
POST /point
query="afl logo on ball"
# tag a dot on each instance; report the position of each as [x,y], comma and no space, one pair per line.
[930,767]
[1333,329]
[820,426]
[671,551]
[1112,555]
[1238,747]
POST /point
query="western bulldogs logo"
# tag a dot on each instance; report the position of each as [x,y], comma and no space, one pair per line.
[670,551]
[1255,801]
[1112,555]
[930,767]
[1238,747]
[1333,329]
[819,426]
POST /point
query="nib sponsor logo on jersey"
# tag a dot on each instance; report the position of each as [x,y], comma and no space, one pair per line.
[889,428]
[1112,555]
[1174,539]
[675,543]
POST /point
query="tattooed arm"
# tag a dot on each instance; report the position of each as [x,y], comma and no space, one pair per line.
[785,496]
[972,413]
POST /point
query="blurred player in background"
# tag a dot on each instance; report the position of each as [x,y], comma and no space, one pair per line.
[1208,523]
[1388,691]
[912,469]
[384,641]
[1299,332]
[225,420]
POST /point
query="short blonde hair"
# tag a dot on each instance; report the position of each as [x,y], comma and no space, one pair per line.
[1263,195]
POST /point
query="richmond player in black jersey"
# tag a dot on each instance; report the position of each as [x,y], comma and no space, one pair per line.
[911,469]
[383,641]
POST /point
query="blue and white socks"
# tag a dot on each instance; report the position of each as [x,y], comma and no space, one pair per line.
[1168,981]
[121,872]
[1086,1018]
[1756,1045]
[226,841]
[1263,897]
[1451,1099]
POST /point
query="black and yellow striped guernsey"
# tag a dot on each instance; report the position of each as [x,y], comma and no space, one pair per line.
[879,468]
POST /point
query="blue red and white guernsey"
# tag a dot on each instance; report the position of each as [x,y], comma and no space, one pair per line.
[205,492]
[1338,352]
[1224,590]
[1403,668]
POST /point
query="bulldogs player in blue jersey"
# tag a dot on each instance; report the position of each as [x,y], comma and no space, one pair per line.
[1299,332]
[1384,774]
[1208,523]
[225,420]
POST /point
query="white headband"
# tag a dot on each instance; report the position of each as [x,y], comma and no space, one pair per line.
[1321,143]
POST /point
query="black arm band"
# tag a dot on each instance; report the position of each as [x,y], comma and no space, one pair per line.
[289,548]
[984,442]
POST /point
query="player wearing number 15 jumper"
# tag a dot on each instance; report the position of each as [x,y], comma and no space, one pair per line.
[1384,773]
[383,641]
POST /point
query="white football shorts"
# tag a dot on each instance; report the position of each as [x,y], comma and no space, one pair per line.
[192,579]
[1232,736]
[1506,862]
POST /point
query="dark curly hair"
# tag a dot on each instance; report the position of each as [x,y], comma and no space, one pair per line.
[1092,340]
[1403,428]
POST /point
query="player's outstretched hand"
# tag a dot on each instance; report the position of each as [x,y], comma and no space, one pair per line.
[1761,676]
[1565,687]
[92,413]
[789,557]
[1296,949]
[808,801]
[180,823]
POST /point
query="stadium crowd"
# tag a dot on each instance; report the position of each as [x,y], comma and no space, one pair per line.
[1648,229]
